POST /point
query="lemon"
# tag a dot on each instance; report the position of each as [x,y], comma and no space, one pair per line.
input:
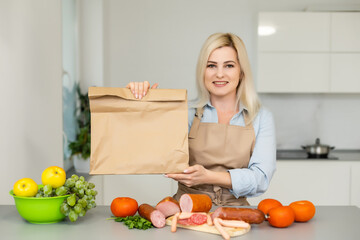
[55,176]
[25,187]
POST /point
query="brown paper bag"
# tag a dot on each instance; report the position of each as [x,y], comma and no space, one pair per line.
[132,136]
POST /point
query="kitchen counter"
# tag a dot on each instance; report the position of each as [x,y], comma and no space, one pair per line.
[334,155]
[330,222]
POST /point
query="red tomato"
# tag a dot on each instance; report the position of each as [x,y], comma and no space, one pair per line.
[281,217]
[304,210]
[124,206]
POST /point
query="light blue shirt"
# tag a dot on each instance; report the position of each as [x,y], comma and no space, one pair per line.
[254,180]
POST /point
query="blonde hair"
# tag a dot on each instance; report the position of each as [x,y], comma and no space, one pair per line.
[245,92]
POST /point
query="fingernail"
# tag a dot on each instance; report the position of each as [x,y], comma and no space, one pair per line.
[185,171]
[136,96]
[165,175]
[140,96]
[144,93]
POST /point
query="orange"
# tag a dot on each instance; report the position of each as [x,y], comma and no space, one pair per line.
[281,217]
[55,176]
[25,187]
[267,204]
[304,210]
[123,207]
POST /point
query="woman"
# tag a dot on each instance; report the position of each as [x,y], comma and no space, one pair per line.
[232,143]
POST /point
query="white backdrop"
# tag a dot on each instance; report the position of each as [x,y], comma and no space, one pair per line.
[31,83]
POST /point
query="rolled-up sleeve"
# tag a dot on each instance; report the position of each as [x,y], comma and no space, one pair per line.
[254,180]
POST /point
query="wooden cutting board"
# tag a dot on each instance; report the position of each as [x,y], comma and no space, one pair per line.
[212,229]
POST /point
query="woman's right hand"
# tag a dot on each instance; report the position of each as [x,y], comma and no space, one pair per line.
[140,89]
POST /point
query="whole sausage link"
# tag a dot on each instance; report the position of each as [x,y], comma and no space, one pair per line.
[252,216]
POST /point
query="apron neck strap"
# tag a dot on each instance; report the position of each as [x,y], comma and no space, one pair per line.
[196,122]
[199,113]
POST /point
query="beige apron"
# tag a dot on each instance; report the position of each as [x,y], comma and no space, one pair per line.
[218,147]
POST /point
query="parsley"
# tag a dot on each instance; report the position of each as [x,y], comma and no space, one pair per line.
[134,222]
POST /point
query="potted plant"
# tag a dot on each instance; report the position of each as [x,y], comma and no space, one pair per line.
[80,148]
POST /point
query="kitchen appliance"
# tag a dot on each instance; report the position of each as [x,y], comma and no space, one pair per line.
[301,155]
[317,150]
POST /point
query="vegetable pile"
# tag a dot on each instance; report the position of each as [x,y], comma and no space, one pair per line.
[134,222]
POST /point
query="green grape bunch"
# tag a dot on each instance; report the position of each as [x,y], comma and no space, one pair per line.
[81,199]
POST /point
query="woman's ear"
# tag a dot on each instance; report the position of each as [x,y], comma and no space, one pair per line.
[242,75]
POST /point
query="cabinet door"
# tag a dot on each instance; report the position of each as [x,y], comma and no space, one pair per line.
[345,72]
[355,184]
[144,188]
[322,182]
[295,31]
[293,72]
[345,32]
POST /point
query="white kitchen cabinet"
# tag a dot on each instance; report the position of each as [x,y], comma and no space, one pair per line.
[295,31]
[98,180]
[345,72]
[144,188]
[309,53]
[322,182]
[355,184]
[293,72]
[345,32]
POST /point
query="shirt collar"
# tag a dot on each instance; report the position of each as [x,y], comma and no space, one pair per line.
[241,106]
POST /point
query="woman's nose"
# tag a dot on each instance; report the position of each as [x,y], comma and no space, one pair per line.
[219,73]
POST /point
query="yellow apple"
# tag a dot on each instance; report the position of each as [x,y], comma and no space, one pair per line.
[25,187]
[55,176]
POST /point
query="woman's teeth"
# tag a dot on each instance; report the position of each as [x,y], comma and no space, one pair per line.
[220,83]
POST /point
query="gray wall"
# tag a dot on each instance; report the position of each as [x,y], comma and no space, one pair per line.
[30,99]
[159,41]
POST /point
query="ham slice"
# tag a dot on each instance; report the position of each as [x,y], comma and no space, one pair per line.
[168,206]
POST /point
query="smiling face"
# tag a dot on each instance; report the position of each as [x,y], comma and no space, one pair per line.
[222,72]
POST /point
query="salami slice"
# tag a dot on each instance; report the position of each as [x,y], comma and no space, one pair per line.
[198,219]
[186,221]
[194,219]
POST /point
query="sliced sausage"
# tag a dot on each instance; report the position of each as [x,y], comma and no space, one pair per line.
[174,222]
[233,223]
[192,219]
[152,214]
[168,206]
[209,220]
[195,203]
[252,216]
[221,229]
[184,215]
[198,219]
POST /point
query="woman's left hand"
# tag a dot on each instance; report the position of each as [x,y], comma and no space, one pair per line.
[192,176]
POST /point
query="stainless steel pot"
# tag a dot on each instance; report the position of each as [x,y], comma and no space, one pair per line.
[317,150]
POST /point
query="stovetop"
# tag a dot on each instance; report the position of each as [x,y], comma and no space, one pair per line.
[299,154]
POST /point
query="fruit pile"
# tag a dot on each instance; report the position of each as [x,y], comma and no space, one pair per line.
[82,193]
[82,197]
[283,216]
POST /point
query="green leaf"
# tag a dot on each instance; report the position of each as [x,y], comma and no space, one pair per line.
[134,222]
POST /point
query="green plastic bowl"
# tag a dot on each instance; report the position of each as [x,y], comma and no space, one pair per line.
[43,210]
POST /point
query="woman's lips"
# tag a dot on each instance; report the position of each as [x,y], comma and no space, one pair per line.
[220,83]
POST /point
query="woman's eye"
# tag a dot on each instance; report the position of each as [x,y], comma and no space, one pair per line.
[211,65]
[229,66]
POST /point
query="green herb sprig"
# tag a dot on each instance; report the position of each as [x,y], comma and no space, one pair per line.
[134,222]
